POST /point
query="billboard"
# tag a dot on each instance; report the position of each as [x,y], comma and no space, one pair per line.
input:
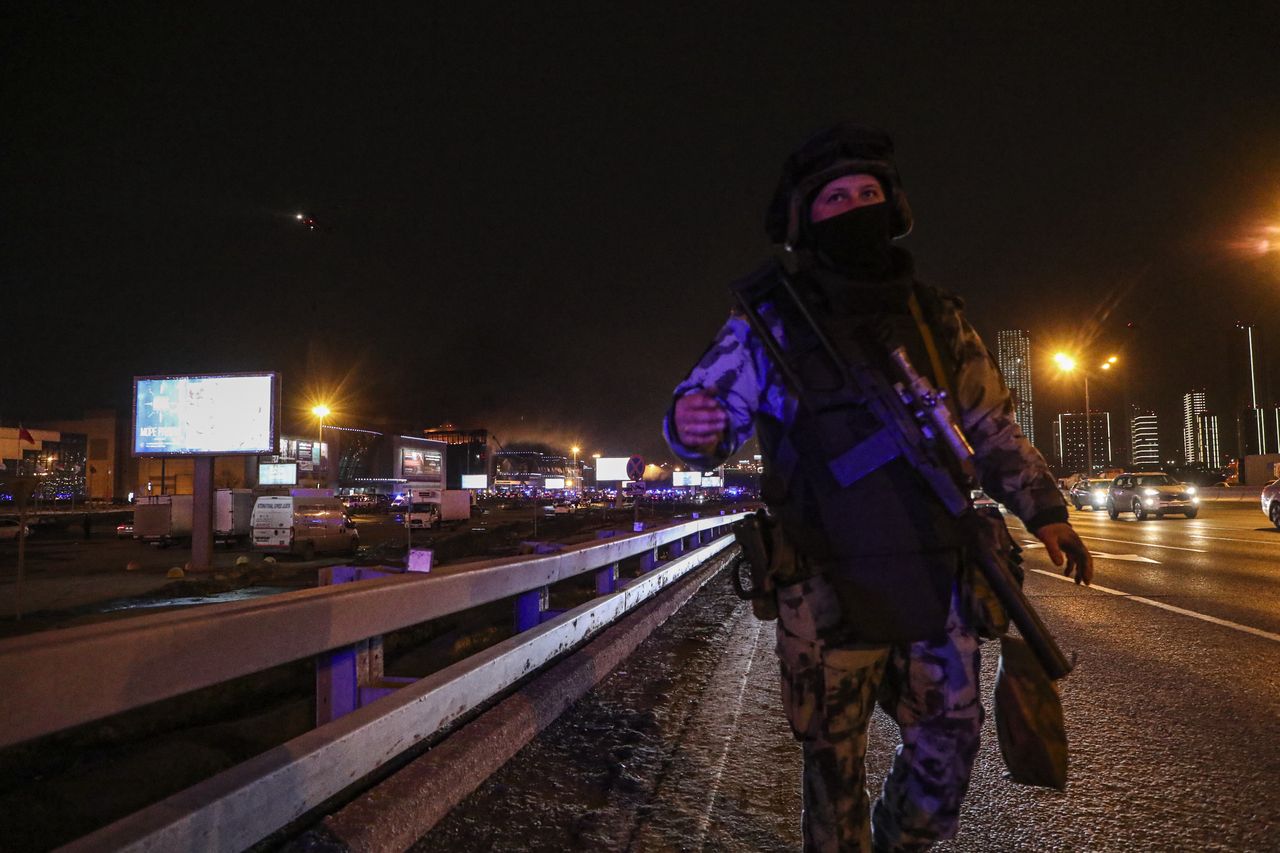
[421,466]
[712,482]
[686,478]
[475,481]
[553,483]
[277,473]
[206,415]
[610,468]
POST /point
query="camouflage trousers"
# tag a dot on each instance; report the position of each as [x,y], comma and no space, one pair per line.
[829,692]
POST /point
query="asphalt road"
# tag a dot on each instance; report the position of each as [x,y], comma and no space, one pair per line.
[1173,714]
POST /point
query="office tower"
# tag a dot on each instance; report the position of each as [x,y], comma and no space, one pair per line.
[1071,437]
[1208,450]
[1193,405]
[1013,352]
[1144,439]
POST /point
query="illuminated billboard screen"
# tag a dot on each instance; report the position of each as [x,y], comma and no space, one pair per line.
[713,482]
[610,468]
[686,478]
[215,415]
[421,466]
[553,482]
[475,481]
[277,473]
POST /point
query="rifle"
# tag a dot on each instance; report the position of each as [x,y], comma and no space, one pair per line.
[918,425]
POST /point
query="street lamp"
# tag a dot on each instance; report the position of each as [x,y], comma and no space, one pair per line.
[321,411]
[1259,424]
[1067,364]
[577,475]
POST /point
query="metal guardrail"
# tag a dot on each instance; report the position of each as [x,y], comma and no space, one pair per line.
[55,680]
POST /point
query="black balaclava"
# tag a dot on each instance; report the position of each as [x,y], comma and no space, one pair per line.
[857,242]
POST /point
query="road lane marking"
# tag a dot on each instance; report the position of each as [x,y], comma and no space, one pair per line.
[1101,555]
[704,820]
[1229,539]
[1142,544]
[1266,635]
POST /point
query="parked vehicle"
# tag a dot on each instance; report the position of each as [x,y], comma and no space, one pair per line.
[232,515]
[162,519]
[302,525]
[1152,494]
[166,519]
[455,504]
[1089,493]
[124,530]
[11,529]
[1271,501]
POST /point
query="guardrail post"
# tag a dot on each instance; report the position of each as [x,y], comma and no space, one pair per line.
[607,579]
[351,677]
[529,608]
[648,560]
[676,548]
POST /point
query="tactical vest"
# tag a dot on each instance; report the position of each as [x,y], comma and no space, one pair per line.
[881,537]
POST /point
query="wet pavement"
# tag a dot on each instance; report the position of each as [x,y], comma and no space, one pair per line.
[1174,721]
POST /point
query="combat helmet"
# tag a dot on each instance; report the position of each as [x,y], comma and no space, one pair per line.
[840,150]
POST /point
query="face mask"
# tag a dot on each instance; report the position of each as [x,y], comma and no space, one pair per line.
[857,241]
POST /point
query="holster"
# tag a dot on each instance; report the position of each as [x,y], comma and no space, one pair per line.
[771,561]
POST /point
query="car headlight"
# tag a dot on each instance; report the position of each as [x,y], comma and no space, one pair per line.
[1191,490]
[1149,502]
[1151,492]
[1097,496]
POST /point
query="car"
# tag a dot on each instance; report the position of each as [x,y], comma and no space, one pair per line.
[1151,494]
[1089,493]
[9,529]
[124,530]
[1271,501]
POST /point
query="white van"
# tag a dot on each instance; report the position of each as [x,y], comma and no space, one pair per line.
[302,525]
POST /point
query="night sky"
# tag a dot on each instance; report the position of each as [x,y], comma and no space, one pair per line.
[527,214]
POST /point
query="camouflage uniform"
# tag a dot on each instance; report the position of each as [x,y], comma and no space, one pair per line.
[929,688]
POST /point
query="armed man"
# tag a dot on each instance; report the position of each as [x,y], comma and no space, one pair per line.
[872,569]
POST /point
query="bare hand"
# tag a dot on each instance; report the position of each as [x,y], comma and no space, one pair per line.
[700,422]
[1064,546]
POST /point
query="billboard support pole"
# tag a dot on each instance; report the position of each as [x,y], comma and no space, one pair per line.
[202,514]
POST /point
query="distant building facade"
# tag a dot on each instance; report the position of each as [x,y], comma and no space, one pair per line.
[1208,447]
[1013,347]
[1260,431]
[1072,435]
[1193,405]
[467,452]
[1144,440]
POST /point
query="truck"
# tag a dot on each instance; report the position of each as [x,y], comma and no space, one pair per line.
[232,515]
[455,504]
[166,519]
[162,519]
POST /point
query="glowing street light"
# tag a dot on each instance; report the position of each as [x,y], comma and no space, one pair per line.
[321,411]
[1067,364]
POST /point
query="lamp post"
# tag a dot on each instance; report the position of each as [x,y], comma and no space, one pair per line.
[1259,422]
[1067,364]
[321,411]
[577,475]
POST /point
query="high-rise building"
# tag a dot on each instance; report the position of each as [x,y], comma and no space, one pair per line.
[1144,439]
[1260,431]
[1013,352]
[1208,451]
[1193,405]
[1072,436]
